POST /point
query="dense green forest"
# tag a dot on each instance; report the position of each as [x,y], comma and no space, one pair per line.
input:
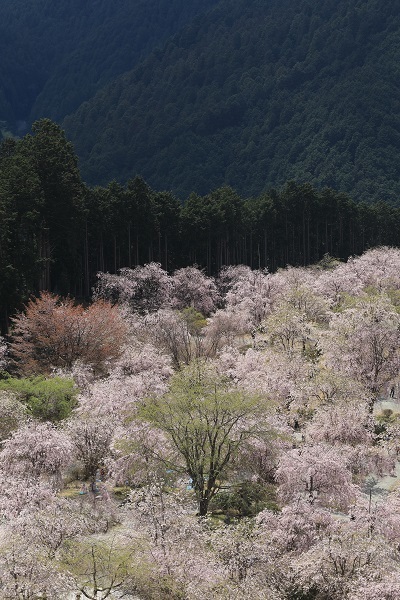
[195,96]
[57,233]
[256,93]
[56,55]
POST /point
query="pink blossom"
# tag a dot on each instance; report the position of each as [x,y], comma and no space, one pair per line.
[37,449]
[317,474]
[191,288]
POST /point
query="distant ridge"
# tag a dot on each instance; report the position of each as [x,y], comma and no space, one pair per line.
[56,55]
[253,94]
[195,95]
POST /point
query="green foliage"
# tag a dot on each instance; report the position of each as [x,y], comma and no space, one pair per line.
[195,320]
[98,568]
[46,399]
[245,500]
[383,425]
[207,421]
[248,94]
[328,263]
[311,594]
[41,211]
[12,414]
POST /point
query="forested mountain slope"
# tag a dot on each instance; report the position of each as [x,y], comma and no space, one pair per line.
[197,95]
[255,93]
[55,55]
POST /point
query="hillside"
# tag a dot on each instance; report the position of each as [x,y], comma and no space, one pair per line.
[251,400]
[57,55]
[253,94]
[193,96]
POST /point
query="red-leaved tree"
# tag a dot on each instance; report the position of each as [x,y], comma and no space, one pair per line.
[55,332]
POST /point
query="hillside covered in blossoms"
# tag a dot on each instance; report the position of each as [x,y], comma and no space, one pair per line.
[187,437]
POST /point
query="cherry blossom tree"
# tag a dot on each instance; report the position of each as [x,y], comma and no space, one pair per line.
[22,493]
[296,528]
[363,343]
[375,269]
[109,399]
[289,330]
[297,278]
[49,527]
[227,327]
[351,428]
[115,399]
[13,414]
[244,555]
[180,547]
[253,291]
[258,457]
[339,563]
[144,289]
[326,386]
[384,518]
[304,299]
[318,553]
[186,397]
[230,275]
[91,439]
[143,358]
[98,568]
[337,284]
[318,474]
[341,424]
[25,574]
[192,288]
[140,455]
[37,450]
[141,371]
[386,588]
[3,353]
[284,378]
[178,333]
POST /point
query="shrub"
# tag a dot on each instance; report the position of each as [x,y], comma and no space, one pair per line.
[246,500]
[46,399]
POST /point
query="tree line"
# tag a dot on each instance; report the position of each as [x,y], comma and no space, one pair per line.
[57,233]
